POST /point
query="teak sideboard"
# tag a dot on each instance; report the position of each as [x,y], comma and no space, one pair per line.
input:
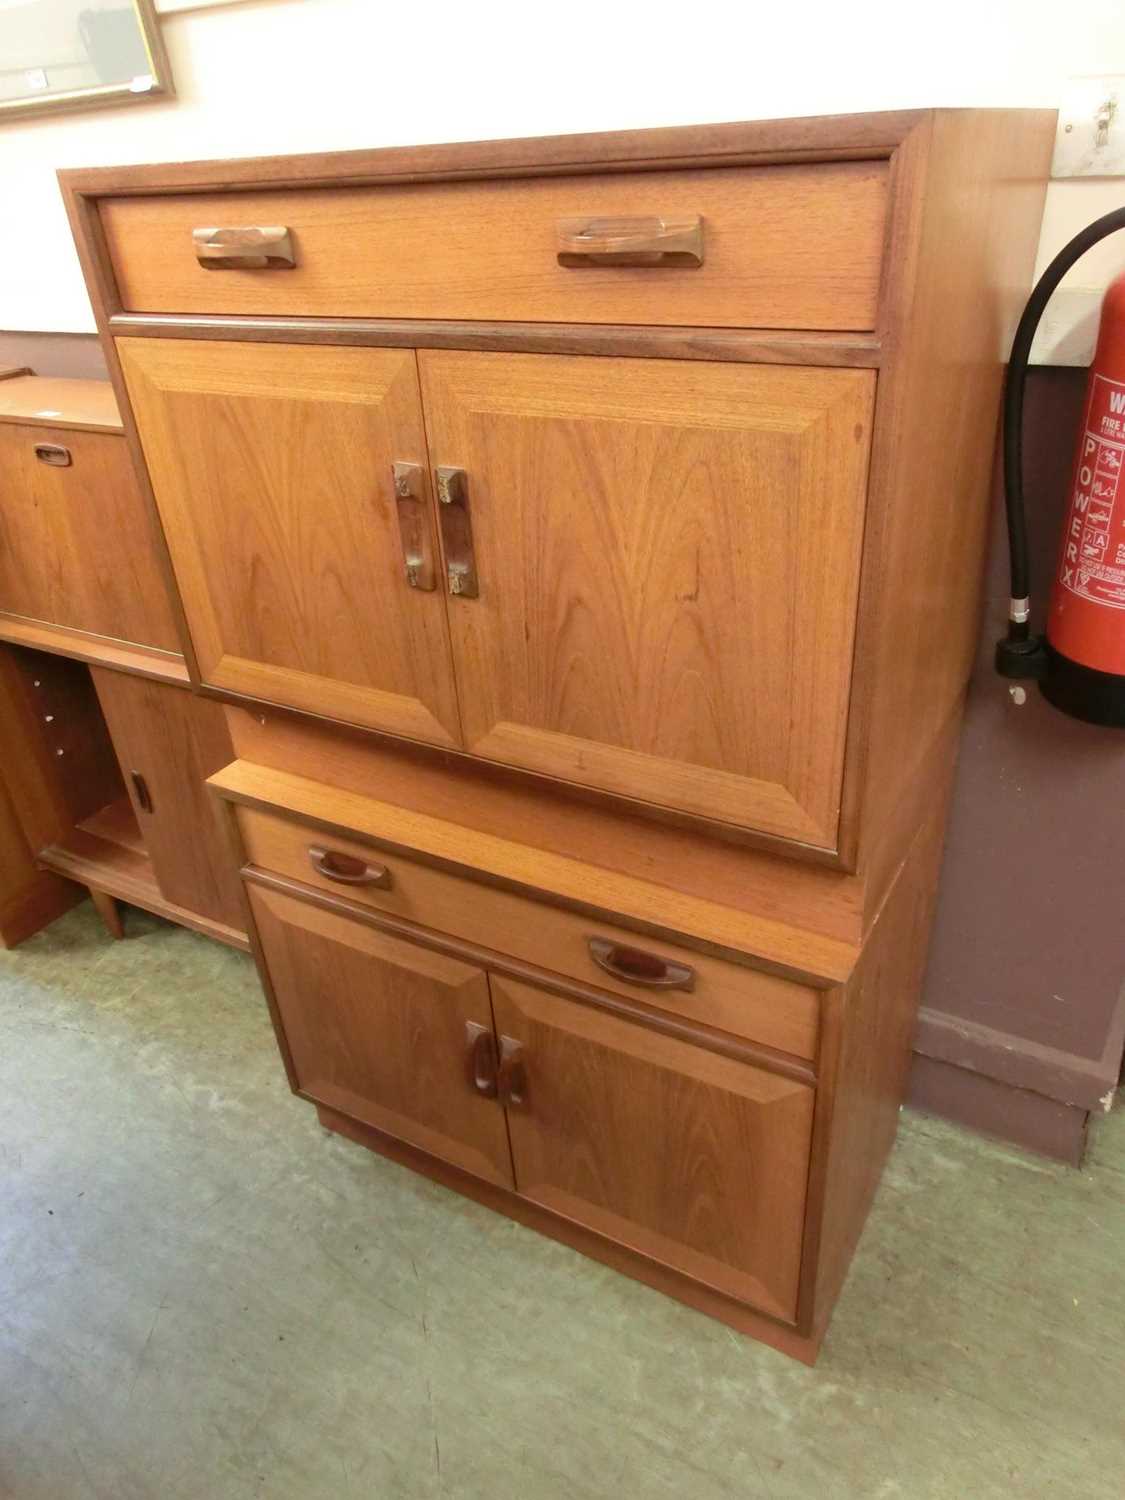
[583,538]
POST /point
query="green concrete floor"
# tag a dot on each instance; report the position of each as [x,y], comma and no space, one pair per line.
[205,1295]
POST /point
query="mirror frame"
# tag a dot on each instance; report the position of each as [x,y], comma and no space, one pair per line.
[103,94]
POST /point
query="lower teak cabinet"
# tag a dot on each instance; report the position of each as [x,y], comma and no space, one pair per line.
[692,1158]
[676,1110]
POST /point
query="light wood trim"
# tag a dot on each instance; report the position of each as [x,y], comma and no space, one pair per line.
[42,401]
[854,137]
[99,650]
[630,902]
[767,346]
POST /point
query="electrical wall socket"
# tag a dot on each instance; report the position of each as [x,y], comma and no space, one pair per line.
[1091,131]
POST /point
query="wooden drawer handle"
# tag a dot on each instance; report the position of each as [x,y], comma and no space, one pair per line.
[644,240]
[635,966]
[255,247]
[54,454]
[140,787]
[511,1082]
[413,525]
[456,531]
[347,869]
[482,1059]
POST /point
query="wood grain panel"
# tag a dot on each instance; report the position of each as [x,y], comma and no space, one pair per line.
[692,1159]
[746,1002]
[76,546]
[972,187]
[785,247]
[271,466]
[376,1028]
[669,565]
[175,740]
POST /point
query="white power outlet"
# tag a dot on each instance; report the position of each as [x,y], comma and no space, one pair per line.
[1091,132]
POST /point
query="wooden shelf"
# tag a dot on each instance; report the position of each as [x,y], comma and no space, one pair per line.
[106,852]
[97,650]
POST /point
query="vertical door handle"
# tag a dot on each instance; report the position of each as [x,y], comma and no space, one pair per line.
[481,1059]
[456,531]
[140,787]
[413,525]
[512,1078]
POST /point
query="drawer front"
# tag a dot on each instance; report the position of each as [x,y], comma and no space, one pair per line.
[76,544]
[746,1002]
[782,247]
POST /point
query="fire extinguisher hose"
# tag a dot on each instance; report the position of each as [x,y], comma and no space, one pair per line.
[1018,645]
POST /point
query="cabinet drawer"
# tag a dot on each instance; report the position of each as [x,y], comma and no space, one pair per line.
[782,247]
[746,1002]
[76,547]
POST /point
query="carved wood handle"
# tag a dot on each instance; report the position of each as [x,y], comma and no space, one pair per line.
[347,869]
[413,525]
[482,1059]
[456,531]
[140,787]
[512,1079]
[642,240]
[254,247]
[54,454]
[635,966]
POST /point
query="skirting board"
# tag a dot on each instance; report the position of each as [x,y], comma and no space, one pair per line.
[1011,1114]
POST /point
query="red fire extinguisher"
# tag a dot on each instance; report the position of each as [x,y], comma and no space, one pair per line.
[1080,664]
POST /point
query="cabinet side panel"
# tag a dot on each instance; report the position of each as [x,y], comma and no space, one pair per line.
[875,1015]
[983,182]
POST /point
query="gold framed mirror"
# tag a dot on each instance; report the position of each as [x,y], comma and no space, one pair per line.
[79,54]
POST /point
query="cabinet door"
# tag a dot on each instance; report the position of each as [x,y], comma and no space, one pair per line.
[696,1160]
[76,541]
[383,1030]
[668,565]
[272,469]
[172,741]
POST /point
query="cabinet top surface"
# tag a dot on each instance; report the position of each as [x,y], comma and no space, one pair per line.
[818,137]
[43,401]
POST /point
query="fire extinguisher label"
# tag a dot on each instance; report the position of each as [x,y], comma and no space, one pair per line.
[1093,560]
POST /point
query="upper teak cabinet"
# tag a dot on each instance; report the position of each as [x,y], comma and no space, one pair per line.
[649,570]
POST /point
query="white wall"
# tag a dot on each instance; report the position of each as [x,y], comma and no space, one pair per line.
[270,76]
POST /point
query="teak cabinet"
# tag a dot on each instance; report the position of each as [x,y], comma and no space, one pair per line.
[106,750]
[583,538]
[78,558]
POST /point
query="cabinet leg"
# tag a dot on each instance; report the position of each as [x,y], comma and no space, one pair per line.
[109,912]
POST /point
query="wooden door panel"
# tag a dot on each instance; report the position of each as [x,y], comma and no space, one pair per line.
[272,469]
[76,542]
[668,563]
[696,1160]
[175,740]
[376,1028]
